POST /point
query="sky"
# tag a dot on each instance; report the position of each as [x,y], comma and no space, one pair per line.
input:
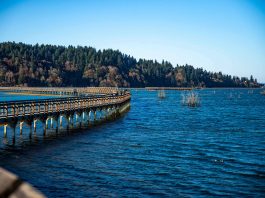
[217,35]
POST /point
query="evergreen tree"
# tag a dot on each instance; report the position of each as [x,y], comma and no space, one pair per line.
[49,65]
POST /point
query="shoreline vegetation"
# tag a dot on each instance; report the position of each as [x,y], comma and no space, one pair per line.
[59,66]
[190,89]
[147,88]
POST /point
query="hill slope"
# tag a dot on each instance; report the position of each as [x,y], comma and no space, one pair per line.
[50,65]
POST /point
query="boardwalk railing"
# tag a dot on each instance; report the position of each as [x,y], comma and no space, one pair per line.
[63,90]
[60,105]
[107,101]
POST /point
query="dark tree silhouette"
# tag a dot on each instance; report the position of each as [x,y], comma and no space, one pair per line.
[50,65]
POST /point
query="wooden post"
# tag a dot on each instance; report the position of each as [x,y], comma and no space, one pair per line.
[83,114]
[88,117]
[14,135]
[46,123]
[68,122]
[61,120]
[33,108]
[34,125]
[80,122]
[95,115]
[21,127]
[23,109]
[13,110]
[46,107]
[76,118]
[51,123]
[30,130]
[45,126]
[72,119]
[6,108]
[5,129]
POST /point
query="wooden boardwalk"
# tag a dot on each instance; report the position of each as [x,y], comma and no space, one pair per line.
[85,104]
[72,91]
[108,102]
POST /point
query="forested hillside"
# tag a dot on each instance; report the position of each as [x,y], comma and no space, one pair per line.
[50,65]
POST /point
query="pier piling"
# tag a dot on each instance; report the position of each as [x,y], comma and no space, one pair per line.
[103,103]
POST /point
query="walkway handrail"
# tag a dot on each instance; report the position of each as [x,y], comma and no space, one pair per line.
[63,90]
[57,105]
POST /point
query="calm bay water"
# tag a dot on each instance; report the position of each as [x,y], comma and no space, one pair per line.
[5,96]
[159,148]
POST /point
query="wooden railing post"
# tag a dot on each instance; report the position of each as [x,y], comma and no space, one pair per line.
[66,105]
[6,111]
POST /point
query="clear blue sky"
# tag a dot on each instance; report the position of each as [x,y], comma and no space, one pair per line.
[218,35]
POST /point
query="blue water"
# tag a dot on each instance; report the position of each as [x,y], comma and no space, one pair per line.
[159,148]
[5,96]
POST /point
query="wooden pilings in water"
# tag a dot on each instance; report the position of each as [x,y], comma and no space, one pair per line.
[74,119]
[50,112]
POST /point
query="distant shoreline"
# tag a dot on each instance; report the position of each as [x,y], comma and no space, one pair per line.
[30,94]
[190,88]
[85,66]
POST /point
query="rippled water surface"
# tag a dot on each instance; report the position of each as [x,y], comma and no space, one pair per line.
[159,148]
[5,96]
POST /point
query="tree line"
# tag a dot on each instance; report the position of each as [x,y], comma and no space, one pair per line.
[55,66]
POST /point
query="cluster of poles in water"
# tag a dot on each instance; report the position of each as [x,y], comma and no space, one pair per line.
[190,98]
